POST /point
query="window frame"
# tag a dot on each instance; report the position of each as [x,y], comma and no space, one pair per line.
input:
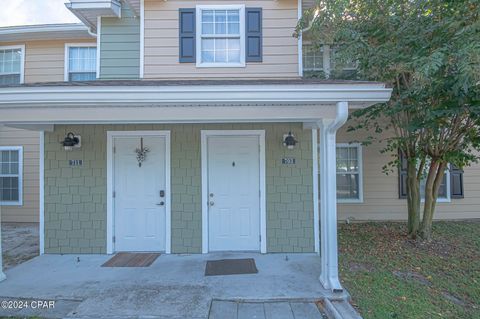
[328,59]
[66,68]
[198,36]
[447,199]
[22,61]
[359,148]
[306,47]
[20,175]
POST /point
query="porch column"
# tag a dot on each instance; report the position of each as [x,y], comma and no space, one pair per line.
[328,198]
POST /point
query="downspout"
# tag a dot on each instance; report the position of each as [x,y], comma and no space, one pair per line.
[341,117]
[329,243]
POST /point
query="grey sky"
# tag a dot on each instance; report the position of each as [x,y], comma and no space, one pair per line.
[24,12]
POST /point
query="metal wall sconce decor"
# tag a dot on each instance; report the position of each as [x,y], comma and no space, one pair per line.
[141,153]
[289,141]
[71,141]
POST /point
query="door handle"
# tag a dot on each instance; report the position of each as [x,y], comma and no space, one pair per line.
[211,203]
[161,204]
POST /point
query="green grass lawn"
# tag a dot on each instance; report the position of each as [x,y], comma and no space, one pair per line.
[390,276]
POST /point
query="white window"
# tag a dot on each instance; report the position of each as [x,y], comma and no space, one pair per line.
[11,64]
[11,166]
[80,62]
[220,36]
[349,173]
[325,58]
[312,58]
[443,191]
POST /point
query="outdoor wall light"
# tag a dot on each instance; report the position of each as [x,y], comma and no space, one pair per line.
[289,140]
[71,141]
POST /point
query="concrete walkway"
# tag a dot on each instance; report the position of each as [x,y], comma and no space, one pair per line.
[173,287]
[264,310]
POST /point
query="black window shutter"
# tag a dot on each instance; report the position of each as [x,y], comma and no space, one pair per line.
[187,35]
[402,176]
[253,35]
[456,182]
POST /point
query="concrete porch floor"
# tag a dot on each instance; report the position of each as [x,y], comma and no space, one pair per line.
[173,287]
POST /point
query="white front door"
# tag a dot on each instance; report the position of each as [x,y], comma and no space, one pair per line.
[233,193]
[140,200]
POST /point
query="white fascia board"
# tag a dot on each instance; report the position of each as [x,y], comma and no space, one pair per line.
[88,10]
[47,31]
[165,114]
[358,95]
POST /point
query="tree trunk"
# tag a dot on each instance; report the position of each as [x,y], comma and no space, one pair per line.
[434,180]
[413,200]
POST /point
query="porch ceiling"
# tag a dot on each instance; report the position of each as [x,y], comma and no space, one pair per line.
[184,101]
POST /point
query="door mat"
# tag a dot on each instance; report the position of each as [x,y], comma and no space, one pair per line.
[230,267]
[131,260]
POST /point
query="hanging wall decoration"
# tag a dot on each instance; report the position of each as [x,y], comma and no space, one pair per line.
[141,153]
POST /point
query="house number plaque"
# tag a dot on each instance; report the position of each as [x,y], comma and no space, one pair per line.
[75,163]
[288,161]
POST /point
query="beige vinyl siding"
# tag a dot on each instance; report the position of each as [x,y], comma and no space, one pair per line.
[280,55]
[45,60]
[380,191]
[29,211]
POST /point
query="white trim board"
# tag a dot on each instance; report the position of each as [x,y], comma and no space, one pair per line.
[110,182]
[41,232]
[204,164]
[300,40]
[99,46]
[316,208]
[142,38]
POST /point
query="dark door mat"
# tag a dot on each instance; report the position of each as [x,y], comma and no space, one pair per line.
[230,267]
[131,260]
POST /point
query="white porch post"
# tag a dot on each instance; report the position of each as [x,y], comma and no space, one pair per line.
[328,198]
[2,274]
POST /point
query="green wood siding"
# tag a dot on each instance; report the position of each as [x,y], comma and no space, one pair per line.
[75,198]
[120,47]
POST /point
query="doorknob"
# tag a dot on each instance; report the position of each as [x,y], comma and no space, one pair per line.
[161,204]
[212,203]
[211,194]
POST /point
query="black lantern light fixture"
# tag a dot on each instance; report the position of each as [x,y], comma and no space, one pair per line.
[71,141]
[289,141]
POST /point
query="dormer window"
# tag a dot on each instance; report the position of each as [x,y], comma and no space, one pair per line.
[80,62]
[221,40]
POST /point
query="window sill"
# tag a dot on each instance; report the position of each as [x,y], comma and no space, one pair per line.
[440,200]
[11,203]
[221,65]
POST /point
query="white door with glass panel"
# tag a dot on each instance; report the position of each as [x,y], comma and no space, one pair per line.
[233,193]
[139,193]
